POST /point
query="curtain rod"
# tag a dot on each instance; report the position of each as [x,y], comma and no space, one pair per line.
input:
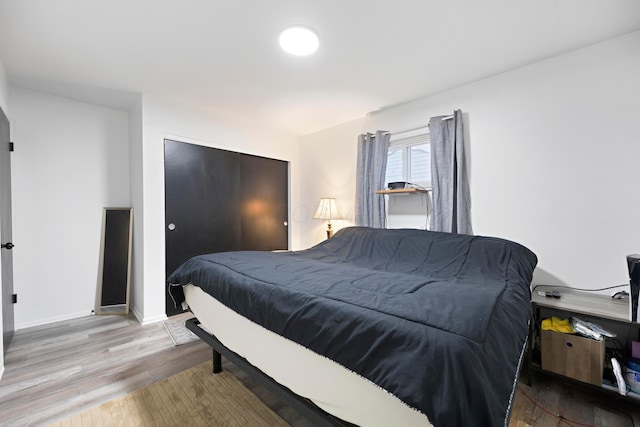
[418,128]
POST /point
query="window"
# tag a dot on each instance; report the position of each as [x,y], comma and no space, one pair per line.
[409,158]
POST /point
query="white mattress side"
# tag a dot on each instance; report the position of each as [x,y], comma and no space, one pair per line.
[329,385]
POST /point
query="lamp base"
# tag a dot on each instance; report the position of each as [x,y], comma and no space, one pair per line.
[329,231]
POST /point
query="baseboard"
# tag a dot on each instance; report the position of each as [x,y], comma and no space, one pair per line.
[147,320]
[154,319]
[54,319]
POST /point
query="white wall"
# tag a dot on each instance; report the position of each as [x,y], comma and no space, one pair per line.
[71,161]
[328,159]
[4,89]
[554,159]
[161,121]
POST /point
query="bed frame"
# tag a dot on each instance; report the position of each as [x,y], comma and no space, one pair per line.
[305,407]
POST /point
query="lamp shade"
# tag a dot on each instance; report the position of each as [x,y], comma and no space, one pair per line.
[327,210]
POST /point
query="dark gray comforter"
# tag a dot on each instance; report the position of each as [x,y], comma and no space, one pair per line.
[437,319]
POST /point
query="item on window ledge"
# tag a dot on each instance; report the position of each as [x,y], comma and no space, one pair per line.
[398,185]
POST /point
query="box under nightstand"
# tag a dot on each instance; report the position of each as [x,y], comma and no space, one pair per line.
[573,356]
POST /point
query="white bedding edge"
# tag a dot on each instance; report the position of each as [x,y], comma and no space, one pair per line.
[326,383]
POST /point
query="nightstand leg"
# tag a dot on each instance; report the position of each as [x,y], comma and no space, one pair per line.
[529,355]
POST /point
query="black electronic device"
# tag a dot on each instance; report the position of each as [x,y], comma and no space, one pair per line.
[398,185]
[633,262]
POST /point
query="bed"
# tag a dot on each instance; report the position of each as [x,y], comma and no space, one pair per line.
[375,326]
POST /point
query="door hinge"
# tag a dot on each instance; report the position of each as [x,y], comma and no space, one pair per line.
[15,298]
[10,146]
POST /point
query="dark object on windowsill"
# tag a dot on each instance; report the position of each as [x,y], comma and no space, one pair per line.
[397,185]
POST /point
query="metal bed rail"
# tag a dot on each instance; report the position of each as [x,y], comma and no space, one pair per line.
[304,406]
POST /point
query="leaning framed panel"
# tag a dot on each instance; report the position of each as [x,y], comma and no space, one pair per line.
[114,274]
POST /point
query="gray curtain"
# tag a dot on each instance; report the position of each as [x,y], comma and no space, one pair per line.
[449,176]
[370,174]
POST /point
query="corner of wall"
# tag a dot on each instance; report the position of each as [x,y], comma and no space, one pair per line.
[146,321]
[136,195]
[4,89]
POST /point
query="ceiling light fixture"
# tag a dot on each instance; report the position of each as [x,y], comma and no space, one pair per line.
[299,40]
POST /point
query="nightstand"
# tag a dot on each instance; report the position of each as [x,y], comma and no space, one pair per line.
[601,309]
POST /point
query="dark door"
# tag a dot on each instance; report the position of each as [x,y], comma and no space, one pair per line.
[264,210]
[5,233]
[218,200]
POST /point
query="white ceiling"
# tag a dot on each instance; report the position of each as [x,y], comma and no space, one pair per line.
[222,57]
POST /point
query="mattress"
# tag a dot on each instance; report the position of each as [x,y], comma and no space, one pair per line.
[327,384]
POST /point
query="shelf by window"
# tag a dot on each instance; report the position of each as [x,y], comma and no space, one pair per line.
[403,191]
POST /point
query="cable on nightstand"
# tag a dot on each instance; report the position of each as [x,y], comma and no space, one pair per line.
[582,289]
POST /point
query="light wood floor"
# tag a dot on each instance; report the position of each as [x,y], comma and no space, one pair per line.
[57,370]
[54,371]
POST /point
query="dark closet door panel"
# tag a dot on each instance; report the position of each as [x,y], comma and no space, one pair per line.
[202,199]
[265,209]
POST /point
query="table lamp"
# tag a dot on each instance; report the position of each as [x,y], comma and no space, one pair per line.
[327,210]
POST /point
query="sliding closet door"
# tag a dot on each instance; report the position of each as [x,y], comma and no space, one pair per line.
[264,210]
[201,203]
[218,201]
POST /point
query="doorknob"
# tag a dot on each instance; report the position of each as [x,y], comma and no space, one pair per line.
[171,227]
[7,245]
